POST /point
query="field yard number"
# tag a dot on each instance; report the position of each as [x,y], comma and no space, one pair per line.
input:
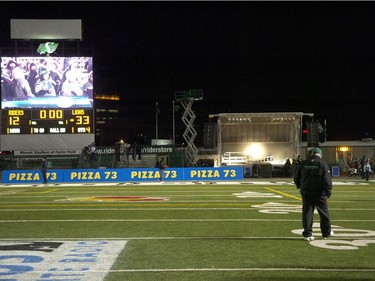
[277,208]
[334,244]
[342,244]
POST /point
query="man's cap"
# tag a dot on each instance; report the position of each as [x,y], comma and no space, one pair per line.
[316,150]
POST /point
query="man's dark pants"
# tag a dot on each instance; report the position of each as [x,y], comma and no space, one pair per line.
[310,200]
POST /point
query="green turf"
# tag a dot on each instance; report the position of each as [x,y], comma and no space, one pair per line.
[202,232]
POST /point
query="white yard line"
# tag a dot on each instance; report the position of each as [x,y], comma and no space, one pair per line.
[171,220]
[245,182]
[245,269]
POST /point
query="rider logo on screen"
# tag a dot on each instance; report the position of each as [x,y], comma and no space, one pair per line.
[47,48]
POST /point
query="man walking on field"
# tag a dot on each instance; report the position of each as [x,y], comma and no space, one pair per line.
[314,180]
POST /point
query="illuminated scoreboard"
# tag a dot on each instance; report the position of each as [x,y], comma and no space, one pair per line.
[47,121]
[47,118]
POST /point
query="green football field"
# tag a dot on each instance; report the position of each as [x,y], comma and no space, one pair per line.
[232,231]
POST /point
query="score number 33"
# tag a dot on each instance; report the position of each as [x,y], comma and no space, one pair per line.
[82,120]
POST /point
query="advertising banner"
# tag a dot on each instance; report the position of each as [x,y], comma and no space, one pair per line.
[123,175]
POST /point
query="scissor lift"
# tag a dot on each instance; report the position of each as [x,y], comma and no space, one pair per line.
[186,98]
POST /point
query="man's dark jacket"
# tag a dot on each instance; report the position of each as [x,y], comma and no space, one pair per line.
[313,176]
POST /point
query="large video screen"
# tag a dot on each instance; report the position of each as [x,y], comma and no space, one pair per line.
[46,82]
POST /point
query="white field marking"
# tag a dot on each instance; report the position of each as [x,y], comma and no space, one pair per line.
[108,194]
[349,183]
[71,260]
[177,205]
[339,194]
[296,269]
[91,199]
[340,231]
[277,208]
[172,220]
[151,220]
[180,193]
[304,269]
[95,191]
[4,193]
[180,238]
[245,269]
[155,209]
[342,244]
[338,182]
[157,238]
[253,194]
[58,200]
[122,209]
[165,238]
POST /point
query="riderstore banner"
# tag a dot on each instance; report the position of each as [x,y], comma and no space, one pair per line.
[124,175]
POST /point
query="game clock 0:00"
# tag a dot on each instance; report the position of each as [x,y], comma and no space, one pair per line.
[47,121]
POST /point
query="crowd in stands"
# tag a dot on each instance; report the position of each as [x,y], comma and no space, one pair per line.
[46,77]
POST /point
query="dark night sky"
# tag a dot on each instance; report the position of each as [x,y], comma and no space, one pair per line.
[313,57]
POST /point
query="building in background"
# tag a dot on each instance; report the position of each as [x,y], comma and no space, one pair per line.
[107,121]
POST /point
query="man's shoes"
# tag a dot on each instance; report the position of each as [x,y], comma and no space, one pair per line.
[329,235]
[309,238]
